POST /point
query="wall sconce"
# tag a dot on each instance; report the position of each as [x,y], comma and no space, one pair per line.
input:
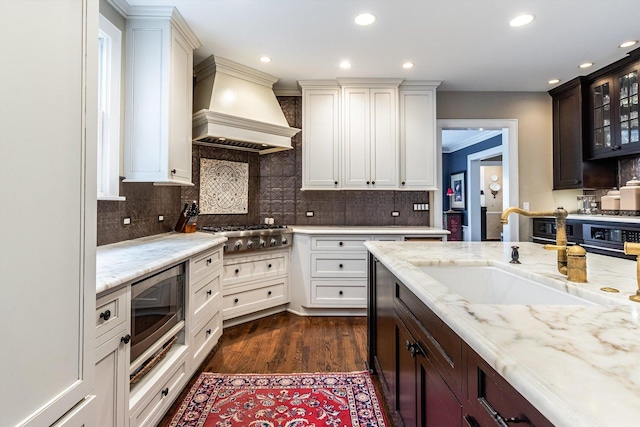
[450,194]
[494,186]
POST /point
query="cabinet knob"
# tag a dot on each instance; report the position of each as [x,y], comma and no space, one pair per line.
[403,182]
[208,331]
[237,270]
[209,261]
[269,266]
[173,171]
[236,300]
[340,293]
[336,182]
[105,315]
[340,244]
[209,292]
[269,293]
[340,265]
[165,392]
[373,182]
[125,339]
[368,182]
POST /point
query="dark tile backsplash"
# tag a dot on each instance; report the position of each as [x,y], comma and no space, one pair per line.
[274,191]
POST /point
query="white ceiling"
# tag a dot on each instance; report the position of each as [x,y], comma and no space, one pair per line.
[465,43]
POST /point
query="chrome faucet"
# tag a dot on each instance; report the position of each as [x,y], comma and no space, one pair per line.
[560,215]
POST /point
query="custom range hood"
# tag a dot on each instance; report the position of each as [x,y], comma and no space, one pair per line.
[235,108]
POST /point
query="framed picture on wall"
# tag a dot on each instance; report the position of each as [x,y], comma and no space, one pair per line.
[458,186]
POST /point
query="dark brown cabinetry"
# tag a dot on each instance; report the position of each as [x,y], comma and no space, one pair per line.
[613,109]
[429,376]
[570,127]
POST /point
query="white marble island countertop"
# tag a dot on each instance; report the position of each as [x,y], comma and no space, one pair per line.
[578,365]
[122,262]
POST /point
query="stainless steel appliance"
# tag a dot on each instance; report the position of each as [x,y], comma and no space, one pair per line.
[258,237]
[157,307]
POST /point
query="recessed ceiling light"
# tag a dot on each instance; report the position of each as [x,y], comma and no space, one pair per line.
[365,19]
[408,65]
[586,65]
[345,64]
[554,81]
[521,20]
[628,43]
[265,59]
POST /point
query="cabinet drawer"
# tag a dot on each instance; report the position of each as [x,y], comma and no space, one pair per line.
[443,345]
[344,243]
[205,337]
[112,311]
[257,267]
[339,265]
[204,264]
[339,293]
[255,297]
[488,392]
[204,295]
[162,396]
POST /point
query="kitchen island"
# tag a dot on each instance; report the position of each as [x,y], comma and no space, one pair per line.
[578,365]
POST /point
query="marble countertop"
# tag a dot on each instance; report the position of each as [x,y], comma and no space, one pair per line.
[122,262]
[579,365]
[388,229]
[601,218]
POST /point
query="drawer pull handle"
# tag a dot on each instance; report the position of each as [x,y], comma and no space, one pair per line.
[165,392]
[340,244]
[209,261]
[499,419]
[269,293]
[125,339]
[209,292]
[105,315]
[269,266]
[208,331]
[340,292]
[340,265]
[237,270]
[414,348]
[236,300]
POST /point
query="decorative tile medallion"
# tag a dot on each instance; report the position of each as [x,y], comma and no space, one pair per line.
[224,187]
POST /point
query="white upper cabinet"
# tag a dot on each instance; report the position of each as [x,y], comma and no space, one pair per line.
[158,106]
[320,135]
[367,134]
[418,153]
[370,138]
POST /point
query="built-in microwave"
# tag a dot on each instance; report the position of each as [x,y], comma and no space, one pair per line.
[157,308]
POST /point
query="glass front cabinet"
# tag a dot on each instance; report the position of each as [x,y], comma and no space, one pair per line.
[613,107]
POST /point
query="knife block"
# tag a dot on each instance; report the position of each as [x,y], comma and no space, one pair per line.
[189,228]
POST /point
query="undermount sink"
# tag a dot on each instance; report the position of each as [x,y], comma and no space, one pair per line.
[491,285]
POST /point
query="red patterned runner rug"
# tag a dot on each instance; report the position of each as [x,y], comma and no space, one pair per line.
[278,400]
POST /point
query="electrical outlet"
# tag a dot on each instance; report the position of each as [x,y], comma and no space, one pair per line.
[395,213]
[525,206]
[126,221]
[160,218]
[309,213]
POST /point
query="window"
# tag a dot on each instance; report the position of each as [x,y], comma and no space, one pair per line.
[109,71]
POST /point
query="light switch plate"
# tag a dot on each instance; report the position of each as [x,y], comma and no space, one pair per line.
[126,221]
[395,213]
[160,218]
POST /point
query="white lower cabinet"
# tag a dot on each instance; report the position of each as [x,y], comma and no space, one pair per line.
[113,319]
[82,415]
[255,282]
[160,389]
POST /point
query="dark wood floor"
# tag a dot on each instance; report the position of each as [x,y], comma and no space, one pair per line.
[286,343]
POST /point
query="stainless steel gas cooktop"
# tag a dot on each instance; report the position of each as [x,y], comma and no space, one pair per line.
[252,237]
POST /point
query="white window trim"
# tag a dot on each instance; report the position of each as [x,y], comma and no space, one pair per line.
[109,118]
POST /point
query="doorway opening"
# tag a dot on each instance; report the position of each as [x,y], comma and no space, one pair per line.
[508,182]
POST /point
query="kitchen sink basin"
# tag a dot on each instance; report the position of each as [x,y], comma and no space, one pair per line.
[491,285]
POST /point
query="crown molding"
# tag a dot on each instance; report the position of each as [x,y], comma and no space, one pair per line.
[468,142]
